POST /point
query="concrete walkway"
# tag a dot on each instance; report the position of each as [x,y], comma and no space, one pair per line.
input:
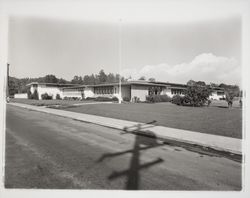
[221,143]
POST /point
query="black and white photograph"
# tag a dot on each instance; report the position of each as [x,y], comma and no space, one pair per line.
[122,96]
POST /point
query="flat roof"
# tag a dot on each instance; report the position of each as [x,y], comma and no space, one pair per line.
[170,84]
[53,84]
[123,84]
[127,83]
[139,82]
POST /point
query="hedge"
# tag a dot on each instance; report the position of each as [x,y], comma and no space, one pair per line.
[178,100]
[46,96]
[104,99]
[158,98]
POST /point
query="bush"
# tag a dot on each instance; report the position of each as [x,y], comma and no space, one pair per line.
[90,98]
[70,98]
[135,99]
[178,100]
[158,98]
[33,96]
[58,97]
[126,99]
[106,99]
[115,99]
[46,96]
[197,96]
[29,94]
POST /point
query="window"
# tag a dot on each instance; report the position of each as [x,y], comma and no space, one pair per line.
[219,93]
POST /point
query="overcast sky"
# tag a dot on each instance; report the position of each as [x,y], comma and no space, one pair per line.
[207,50]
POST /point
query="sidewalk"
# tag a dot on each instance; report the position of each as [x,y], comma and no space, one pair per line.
[220,143]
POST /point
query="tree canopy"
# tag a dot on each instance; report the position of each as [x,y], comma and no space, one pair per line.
[18,85]
[196,95]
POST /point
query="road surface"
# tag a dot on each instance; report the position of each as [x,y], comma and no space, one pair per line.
[51,152]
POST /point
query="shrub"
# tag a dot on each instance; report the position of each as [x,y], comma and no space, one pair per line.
[158,98]
[90,98]
[29,94]
[115,99]
[74,98]
[178,100]
[33,96]
[135,99]
[105,99]
[46,96]
[127,99]
[149,98]
[58,97]
[197,95]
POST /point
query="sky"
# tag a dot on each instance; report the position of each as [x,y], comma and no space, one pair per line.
[208,49]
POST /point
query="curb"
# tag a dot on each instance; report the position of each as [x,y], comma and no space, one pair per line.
[215,142]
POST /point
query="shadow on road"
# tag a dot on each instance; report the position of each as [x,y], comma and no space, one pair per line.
[141,143]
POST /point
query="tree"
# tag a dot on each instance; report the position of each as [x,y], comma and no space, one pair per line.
[92,80]
[117,78]
[29,94]
[35,95]
[77,80]
[231,91]
[151,79]
[201,83]
[86,80]
[229,98]
[142,78]
[102,77]
[191,83]
[50,79]
[214,84]
[110,78]
[13,86]
[62,81]
[196,95]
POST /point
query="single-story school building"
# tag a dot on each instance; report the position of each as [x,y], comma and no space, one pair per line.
[129,90]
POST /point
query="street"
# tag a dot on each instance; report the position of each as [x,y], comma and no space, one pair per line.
[51,152]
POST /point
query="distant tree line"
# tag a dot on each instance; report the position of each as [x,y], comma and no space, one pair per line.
[18,85]
[99,78]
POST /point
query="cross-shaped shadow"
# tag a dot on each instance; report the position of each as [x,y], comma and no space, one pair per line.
[141,143]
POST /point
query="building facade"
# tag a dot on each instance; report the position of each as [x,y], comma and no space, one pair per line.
[129,90]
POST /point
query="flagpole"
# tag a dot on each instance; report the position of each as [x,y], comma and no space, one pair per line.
[7,84]
[120,60]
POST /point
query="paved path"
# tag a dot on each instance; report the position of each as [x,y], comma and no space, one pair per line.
[216,142]
[47,151]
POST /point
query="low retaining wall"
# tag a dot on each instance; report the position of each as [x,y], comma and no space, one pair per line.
[21,95]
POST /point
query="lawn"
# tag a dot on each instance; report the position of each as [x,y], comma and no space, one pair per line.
[212,120]
[49,102]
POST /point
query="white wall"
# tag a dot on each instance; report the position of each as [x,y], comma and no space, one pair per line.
[21,95]
[215,96]
[32,89]
[89,92]
[71,94]
[139,91]
[167,91]
[52,91]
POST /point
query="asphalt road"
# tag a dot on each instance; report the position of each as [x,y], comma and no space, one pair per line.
[46,151]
